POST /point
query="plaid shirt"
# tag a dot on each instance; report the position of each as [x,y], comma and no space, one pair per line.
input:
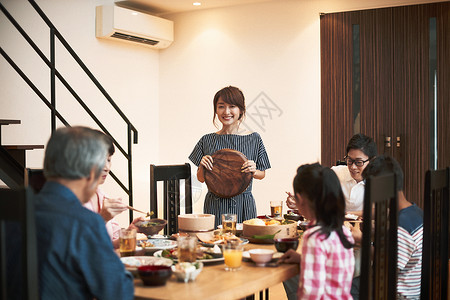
[326,267]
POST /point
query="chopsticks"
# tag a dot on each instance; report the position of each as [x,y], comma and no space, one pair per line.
[147,214]
[290,196]
[132,208]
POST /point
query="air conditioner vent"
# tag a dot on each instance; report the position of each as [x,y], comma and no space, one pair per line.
[133,27]
[133,38]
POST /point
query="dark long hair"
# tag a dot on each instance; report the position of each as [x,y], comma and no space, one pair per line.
[323,190]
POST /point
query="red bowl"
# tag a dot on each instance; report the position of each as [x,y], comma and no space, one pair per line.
[154,275]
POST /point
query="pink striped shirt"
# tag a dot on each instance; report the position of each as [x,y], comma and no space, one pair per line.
[326,267]
[95,204]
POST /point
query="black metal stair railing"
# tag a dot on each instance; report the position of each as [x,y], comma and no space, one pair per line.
[132,134]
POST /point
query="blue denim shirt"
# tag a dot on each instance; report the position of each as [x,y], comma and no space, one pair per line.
[75,253]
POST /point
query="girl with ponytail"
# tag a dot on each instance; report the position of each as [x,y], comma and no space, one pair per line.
[327,261]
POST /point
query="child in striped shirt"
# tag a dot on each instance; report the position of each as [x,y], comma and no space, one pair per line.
[409,233]
[327,261]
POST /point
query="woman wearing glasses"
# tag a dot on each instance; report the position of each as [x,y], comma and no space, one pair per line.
[360,150]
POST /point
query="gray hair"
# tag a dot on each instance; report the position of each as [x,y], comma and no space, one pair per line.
[72,152]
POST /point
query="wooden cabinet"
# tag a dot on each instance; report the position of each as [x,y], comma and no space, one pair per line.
[385,74]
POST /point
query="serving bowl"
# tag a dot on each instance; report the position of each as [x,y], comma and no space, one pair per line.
[261,256]
[284,244]
[196,222]
[256,233]
[151,227]
[154,275]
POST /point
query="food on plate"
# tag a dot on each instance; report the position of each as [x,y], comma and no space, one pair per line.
[266,236]
[149,224]
[351,217]
[146,244]
[177,235]
[255,221]
[141,236]
[203,253]
[272,222]
[186,271]
[267,222]
[220,238]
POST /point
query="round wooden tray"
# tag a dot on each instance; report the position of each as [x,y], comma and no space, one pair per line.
[226,179]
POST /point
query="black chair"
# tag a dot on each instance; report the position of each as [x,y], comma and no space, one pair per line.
[171,175]
[435,256]
[379,265]
[35,179]
[17,232]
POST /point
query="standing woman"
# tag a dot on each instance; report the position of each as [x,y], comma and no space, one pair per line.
[229,109]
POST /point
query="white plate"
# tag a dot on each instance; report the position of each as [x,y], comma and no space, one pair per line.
[161,244]
[133,262]
[276,255]
[205,261]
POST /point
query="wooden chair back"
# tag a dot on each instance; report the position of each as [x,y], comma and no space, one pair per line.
[17,232]
[35,179]
[435,256]
[379,244]
[171,175]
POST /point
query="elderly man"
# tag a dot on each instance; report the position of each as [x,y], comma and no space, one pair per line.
[75,253]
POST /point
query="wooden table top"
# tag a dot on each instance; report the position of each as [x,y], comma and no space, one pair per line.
[216,283]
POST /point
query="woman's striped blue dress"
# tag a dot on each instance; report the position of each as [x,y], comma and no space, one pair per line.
[252,147]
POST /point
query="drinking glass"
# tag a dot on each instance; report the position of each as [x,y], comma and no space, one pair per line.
[127,241]
[229,223]
[187,248]
[276,208]
[232,254]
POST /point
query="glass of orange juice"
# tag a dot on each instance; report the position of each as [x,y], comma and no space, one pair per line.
[232,254]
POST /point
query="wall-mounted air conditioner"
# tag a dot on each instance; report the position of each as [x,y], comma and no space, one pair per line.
[116,22]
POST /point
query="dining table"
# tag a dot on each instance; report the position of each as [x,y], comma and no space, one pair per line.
[214,282]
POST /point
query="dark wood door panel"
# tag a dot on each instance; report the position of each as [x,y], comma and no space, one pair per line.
[395,85]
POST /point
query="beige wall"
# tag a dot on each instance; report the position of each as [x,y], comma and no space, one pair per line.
[271,48]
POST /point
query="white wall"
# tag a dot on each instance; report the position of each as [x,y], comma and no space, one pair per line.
[271,48]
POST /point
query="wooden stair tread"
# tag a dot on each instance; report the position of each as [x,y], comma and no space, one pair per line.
[23,147]
[7,121]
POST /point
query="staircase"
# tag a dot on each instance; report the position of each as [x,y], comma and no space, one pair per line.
[12,157]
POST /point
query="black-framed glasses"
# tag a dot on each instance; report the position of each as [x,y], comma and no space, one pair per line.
[357,162]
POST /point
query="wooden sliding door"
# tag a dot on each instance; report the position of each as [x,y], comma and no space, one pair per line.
[385,74]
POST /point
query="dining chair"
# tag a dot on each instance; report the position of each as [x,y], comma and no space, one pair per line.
[171,175]
[35,179]
[379,242]
[435,256]
[17,228]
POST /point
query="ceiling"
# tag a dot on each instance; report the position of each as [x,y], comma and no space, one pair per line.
[161,7]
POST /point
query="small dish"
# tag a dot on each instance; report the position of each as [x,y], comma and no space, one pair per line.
[151,226]
[156,244]
[132,263]
[186,271]
[154,275]
[261,256]
[275,257]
